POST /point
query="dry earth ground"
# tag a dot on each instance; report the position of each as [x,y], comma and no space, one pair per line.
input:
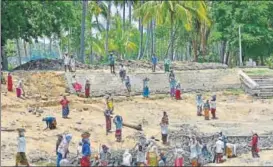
[238,115]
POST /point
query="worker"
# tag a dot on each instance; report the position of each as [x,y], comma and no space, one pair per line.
[219,150]
[127,158]
[51,122]
[199,104]
[86,150]
[21,153]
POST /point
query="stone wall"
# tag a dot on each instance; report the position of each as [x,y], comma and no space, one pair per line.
[203,80]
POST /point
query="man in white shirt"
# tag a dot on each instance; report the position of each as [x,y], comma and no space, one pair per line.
[164,132]
[21,153]
[127,158]
[219,150]
[122,72]
[66,61]
[72,64]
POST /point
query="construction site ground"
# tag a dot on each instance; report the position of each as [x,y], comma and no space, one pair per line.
[237,114]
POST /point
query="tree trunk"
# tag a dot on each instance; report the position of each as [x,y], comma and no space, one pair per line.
[130,12]
[25,48]
[172,36]
[146,51]
[137,127]
[97,20]
[84,3]
[18,52]
[30,50]
[91,41]
[226,52]
[123,16]
[262,60]
[222,51]
[194,47]
[50,45]
[107,26]
[152,37]
[140,25]
[4,60]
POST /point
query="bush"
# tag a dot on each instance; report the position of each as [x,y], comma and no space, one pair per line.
[269,62]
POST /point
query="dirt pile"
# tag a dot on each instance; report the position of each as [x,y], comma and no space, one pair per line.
[48,64]
[57,64]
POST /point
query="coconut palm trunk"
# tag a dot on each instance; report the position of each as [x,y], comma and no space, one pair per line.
[172,36]
[18,52]
[83,30]
[107,27]
[130,11]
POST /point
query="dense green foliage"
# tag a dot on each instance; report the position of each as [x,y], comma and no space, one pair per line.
[181,30]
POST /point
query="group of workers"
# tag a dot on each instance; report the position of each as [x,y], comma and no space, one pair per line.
[208,106]
[147,153]
[69,63]
[19,88]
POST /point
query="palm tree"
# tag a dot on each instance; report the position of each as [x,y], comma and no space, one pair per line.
[173,12]
[84,5]
[107,26]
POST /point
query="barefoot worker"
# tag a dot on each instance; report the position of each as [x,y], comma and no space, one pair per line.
[87,88]
[167,63]
[219,150]
[118,122]
[63,148]
[127,158]
[111,60]
[51,122]
[164,132]
[108,117]
[199,104]
[21,153]
[128,84]
[254,145]
[110,103]
[154,62]
[178,91]
[206,110]
[19,89]
[105,156]
[146,91]
[213,107]
[10,82]
[122,72]
[66,61]
[172,86]
[86,150]
[65,108]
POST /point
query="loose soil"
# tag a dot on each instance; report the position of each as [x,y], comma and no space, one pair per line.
[238,114]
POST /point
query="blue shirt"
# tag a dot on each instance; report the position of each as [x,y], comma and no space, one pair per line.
[111,59]
[86,150]
[49,120]
[154,60]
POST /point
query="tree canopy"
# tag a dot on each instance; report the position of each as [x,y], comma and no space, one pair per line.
[181,30]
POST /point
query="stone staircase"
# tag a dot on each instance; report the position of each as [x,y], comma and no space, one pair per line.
[259,86]
[265,85]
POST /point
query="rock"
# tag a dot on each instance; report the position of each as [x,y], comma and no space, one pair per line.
[78,123]
[85,108]
[44,98]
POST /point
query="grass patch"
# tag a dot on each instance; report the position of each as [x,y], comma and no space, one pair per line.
[259,71]
[235,92]
[45,164]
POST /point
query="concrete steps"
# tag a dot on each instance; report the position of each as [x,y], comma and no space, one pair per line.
[265,88]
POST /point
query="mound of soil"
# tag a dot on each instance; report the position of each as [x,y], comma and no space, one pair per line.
[48,64]
[57,65]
